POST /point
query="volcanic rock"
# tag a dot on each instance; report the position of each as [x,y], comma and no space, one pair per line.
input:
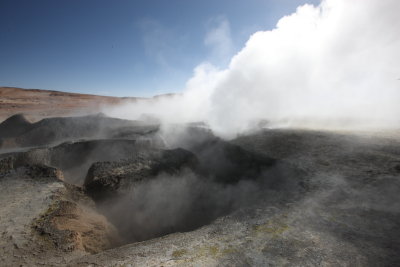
[269,198]
[348,217]
[6,165]
[223,161]
[75,158]
[229,163]
[105,179]
[14,126]
[17,132]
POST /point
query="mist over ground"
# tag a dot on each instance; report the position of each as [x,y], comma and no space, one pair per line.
[163,185]
[335,65]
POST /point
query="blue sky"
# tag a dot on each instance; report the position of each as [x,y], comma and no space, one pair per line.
[121,47]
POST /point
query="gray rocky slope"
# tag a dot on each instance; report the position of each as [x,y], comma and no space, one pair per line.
[185,198]
[348,216]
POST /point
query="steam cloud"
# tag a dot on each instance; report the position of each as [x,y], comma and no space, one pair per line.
[332,65]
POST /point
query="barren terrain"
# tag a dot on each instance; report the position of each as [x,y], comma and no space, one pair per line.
[99,191]
[36,103]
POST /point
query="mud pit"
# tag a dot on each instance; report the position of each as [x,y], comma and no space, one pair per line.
[277,189]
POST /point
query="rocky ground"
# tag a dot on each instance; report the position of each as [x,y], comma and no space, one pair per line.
[347,216]
[47,222]
[98,191]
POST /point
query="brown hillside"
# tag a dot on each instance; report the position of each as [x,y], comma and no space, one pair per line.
[36,103]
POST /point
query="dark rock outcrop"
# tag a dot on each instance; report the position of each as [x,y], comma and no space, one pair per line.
[74,158]
[105,179]
[14,126]
[44,172]
[18,132]
[6,165]
[229,163]
[219,160]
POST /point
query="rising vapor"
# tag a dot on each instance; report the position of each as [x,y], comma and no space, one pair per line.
[332,65]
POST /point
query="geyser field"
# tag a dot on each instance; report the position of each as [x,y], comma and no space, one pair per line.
[289,156]
[98,185]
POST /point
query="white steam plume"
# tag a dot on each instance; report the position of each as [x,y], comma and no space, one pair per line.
[321,66]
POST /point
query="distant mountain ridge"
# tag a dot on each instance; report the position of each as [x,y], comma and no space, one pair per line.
[37,103]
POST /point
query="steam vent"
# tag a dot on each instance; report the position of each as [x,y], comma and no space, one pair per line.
[95,190]
[173,133]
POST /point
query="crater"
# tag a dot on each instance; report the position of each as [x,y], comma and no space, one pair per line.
[149,184]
